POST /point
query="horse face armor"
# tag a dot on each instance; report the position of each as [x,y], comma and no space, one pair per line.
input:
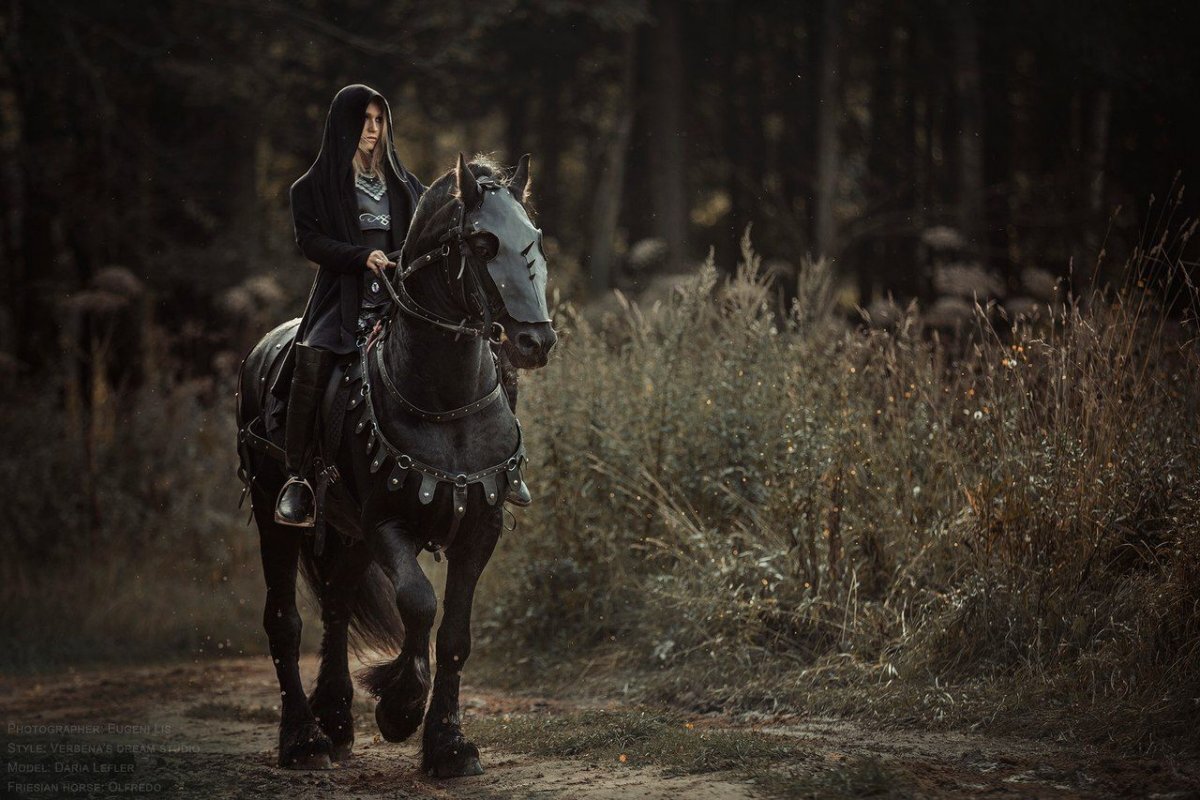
[519,267]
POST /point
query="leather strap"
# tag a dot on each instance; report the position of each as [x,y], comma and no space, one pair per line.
[259,443]
[408,304]
[433,416]
[510,467]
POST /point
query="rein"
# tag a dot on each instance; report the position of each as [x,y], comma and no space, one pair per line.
[409,305]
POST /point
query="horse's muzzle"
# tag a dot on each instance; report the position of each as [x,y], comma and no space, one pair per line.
[531,344]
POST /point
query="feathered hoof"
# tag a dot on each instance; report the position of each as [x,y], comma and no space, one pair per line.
[397,715]
[457,758]
[334,716]
[402,687]
[304,746]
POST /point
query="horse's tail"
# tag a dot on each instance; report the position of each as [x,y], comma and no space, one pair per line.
[375,623]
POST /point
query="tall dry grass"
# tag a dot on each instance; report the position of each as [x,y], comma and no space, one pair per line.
[759,509]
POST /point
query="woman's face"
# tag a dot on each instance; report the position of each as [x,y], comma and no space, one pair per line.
[373,129]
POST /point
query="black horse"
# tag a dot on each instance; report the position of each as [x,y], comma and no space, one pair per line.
[422,457]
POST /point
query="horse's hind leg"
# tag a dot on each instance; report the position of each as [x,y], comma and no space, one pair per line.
[402,685]
[331,698]
[302,744]
[445,751]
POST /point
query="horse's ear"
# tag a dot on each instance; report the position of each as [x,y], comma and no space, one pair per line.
[468,189]
[520,179]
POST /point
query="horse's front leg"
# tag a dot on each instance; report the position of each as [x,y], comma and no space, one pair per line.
[446,752]
[302,744]
[341,575]
[402,685]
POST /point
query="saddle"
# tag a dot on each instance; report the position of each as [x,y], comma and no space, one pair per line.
[343,395]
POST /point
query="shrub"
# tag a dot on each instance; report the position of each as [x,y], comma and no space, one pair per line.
[724,491]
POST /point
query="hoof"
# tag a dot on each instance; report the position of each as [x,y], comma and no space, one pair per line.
[336,722]
[402,689]
[304,747]
[455,759]
[399,718]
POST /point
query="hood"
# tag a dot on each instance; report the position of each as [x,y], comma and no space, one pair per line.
[343,128]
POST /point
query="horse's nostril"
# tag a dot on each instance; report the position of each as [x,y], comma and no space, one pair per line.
[527,342]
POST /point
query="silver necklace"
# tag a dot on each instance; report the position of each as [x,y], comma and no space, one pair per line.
[371,185]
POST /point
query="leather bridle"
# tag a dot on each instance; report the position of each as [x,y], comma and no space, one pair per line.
[455,236]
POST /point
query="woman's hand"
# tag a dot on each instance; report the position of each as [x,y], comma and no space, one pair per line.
[377,262]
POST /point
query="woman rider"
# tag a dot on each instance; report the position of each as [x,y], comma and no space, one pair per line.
[351,209]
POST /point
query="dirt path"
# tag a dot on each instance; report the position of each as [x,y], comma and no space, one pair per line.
[207,730]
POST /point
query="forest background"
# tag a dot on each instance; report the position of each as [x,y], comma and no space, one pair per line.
[937,428]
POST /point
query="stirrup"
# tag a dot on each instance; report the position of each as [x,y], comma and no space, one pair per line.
[309,520]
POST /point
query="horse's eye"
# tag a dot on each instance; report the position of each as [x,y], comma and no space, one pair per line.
[485,245]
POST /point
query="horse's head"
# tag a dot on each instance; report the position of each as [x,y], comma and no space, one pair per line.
[494,271]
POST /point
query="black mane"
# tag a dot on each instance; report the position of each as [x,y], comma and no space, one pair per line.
[438,208]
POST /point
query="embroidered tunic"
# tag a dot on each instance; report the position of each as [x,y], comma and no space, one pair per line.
[375,222]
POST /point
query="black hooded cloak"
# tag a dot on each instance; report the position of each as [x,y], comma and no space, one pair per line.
[325,214]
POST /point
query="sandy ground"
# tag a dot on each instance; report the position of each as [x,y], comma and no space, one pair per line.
[208,729]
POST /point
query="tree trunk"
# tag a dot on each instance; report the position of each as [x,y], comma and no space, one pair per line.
[547,191]
[829,114]
[737,95]
[1087,271]
[668,185]
[999,163]
[881,181]
[606,209]
[968,95]
[36,267]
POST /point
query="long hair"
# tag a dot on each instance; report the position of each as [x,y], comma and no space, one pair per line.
[378,154]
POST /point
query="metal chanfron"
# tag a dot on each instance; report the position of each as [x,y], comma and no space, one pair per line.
[519,267]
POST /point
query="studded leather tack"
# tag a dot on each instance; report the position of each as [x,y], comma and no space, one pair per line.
[495,481]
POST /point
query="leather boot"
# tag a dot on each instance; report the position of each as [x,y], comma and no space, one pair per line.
[519,495]
[296,504]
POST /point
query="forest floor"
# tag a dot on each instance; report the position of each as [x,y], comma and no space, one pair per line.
[207,729]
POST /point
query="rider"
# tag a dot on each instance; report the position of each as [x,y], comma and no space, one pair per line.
[351,210]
